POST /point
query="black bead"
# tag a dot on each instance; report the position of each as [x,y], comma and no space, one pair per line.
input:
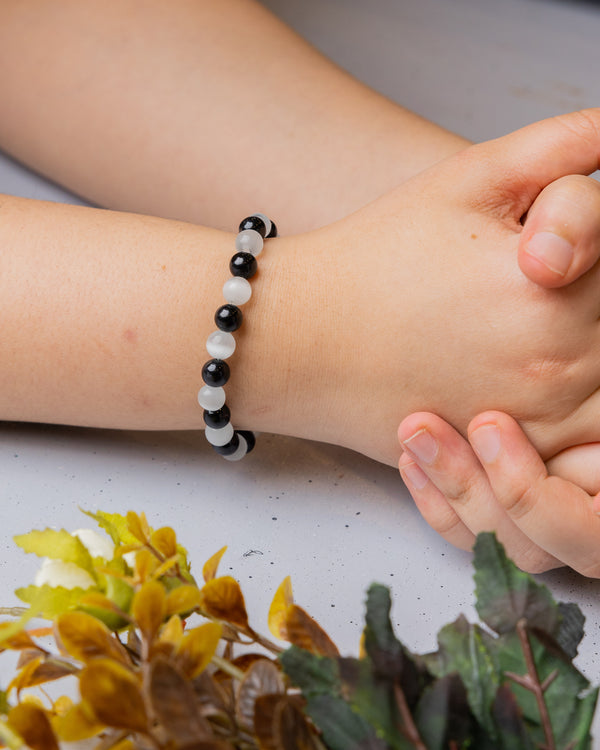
[254,222]
[249,438]
[215,372]
[244,265]
[273,232]
[228,318]
[229,448]
[218,418]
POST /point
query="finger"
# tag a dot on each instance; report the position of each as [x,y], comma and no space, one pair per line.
[520,165]
[580,465]
[561,237]
[556,514]
[456,476]
[433,506]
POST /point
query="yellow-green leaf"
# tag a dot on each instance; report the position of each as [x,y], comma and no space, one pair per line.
[77,723]
[165,541]
[57,545]
[209,570]
[9,737]
[184,598]
[197,648]
[84,637]
[149,608]
[145,565]
[114,695]
[33,725]
[283,598]
[222,598]
[138,526]
[115,526]
[49,601]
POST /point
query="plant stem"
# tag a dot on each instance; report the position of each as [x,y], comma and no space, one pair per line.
[410,728]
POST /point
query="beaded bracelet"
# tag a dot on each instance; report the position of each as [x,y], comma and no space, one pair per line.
[229,443]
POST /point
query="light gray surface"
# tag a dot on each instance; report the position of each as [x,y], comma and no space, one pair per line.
[333,520]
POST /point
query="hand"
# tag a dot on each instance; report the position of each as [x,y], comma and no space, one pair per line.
[433,313]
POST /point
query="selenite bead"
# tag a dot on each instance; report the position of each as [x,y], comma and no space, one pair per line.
[273,232]
[221,436]
[249,437]
[249,241]
[229,448]
[244,265]
[215,372]
[211,398]
[240,452]
[237,291]
[268,224]
[218,418]
[255,222]
[228,318]
[220,344]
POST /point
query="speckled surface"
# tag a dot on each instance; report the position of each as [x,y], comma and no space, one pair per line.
[333,520]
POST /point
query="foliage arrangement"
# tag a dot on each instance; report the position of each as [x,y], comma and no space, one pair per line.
[164,663]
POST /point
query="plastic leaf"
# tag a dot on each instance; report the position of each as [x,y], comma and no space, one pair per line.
[509,719]
[261,678]
[279,724]
[114,695]
[104,609]
[305,632]
[222,598]
[33,725]
[9,737]
[184,598]
[57,545]
[342,729]
[314,675]
[38,671]
[442,716]
[77,723]
[115,526]
[49,601]
[506,594]
[165,541]
[197,648]
[283,599]
[84,638]
[570,629]
[145,565]
[149,608]
[138,526]
[209,570]
[175,705]
[172,632]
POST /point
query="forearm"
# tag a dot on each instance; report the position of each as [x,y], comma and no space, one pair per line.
[198,110]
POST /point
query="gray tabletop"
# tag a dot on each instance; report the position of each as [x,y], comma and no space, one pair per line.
[333,520]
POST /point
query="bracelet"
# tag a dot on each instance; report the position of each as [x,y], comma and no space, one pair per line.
[229,443]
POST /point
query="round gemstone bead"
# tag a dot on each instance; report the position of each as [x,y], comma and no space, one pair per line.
[244,265]
[218,418]
[229,448]
[268,224]
[215,373]
[220,436]
[237,291]
[254,222]
[272,232]
[241,451]
[211,399]
[228,318]
[249,241]
[220,344]
[249,437]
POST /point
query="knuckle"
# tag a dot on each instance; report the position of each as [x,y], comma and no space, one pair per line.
[584,123]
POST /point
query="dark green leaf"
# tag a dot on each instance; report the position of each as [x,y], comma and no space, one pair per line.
[342,729]
[505,594]
[570,629]
[512,731]
[470,651]
[314,675]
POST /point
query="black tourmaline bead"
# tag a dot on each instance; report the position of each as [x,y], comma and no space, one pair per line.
[249,438]
[229,448]
[228,318]
[273,232]
[254,222]
[215,372]
[244,265]
[218,418]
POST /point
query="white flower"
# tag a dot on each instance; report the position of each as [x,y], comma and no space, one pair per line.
[98,545]
[68,574]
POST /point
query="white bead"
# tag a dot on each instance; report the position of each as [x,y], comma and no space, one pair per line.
[266,221]
[219,436]
[240,452]
[220,344]
[249,241]
[211,398]
[237,290]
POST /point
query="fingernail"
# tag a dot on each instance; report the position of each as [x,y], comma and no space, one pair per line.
[486,442]
[553,251]
[423,445]
[414,476]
